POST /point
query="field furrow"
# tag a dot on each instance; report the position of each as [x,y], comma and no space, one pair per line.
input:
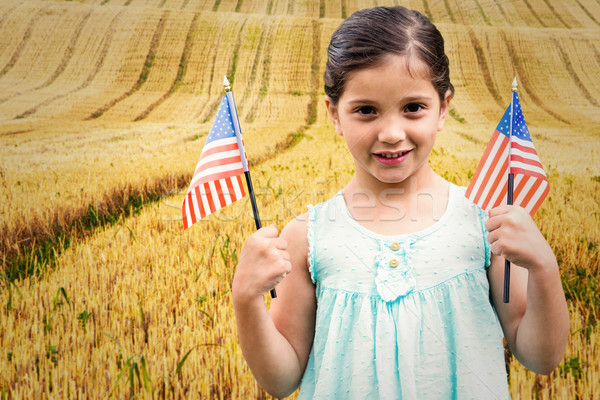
[22,36]
[145,70]
[6,11]
[477,105]
[97,66]
[228,58]
[66,58]
[254,7]
[558,15]
[576,80]
[195,89]
[163,72]
[331,9]
[180,71]
[224,6]
[526,80]
[591,10]
[311,9]
[198,5]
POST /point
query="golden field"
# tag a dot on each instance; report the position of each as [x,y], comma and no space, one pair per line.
[104,108]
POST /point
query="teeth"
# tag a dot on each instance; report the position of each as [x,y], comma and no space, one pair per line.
[393,155]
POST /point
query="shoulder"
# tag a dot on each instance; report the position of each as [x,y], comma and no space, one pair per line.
[295,233]
[463,203]
[297,227]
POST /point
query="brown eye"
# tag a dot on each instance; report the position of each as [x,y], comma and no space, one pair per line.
[365,110]
[413,108]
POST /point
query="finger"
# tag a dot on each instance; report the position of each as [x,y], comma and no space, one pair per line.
[280,244]
[493,223]
[495,249]
[285,255]
[268,231]
[493,236]
[501,209]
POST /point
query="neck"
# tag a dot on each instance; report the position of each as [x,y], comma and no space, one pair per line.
[426,182]
[413,202]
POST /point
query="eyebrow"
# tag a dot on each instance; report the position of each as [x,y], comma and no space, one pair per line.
[404,99]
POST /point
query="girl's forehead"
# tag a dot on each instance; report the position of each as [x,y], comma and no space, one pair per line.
[393,71]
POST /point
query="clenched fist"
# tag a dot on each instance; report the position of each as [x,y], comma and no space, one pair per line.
[263,263]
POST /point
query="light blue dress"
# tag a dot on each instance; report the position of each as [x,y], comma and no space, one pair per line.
[404,316]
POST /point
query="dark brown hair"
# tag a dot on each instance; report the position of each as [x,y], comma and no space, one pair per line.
[367,36]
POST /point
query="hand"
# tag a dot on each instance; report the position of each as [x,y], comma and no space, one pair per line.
[514,235]
[263,263]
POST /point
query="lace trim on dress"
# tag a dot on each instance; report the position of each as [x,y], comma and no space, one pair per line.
[311,243]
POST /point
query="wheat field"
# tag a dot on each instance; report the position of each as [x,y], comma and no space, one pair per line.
[105,106]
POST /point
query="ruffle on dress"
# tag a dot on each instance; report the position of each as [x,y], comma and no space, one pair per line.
[394,270]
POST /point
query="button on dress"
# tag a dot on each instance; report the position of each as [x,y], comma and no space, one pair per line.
[403,316]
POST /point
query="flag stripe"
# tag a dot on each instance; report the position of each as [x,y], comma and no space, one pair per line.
[529,172]
[239,188]
[490,165]
[225,153]
[216,146]
[495,167]
[476,182]
[494,188]
[514,158]
[535,184]
[521,186]
[232,195]
[522,147]
[215,173]
[215,163]
[544,190]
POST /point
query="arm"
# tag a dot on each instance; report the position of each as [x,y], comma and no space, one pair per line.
[536,320]
[276,344]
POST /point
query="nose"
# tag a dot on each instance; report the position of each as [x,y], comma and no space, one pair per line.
[391,129]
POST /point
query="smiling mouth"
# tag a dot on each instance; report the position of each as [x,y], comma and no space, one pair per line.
[392,155]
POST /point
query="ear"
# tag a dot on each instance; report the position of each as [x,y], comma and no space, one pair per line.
[333,114]
[444,108]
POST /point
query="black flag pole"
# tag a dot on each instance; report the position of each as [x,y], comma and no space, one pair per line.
[509,192]
[238,135]
[509,201]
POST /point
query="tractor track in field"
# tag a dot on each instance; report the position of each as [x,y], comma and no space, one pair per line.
[214,105]
[485,71]
[99,64]
[21,46]
[67,55]
[524,80]
[265,50]
[6,15]
[574,75]
[535,15]
[143,74]
[185,56]
[556,14]
[585,10]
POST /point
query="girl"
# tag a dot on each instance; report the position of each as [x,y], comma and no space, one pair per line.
[401,298]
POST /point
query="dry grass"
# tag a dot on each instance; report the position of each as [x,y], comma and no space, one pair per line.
[134,305]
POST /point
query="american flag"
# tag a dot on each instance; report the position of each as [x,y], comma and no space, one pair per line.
[488,187]
[217,179]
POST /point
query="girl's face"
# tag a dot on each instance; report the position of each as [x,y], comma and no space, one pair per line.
[389,118]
